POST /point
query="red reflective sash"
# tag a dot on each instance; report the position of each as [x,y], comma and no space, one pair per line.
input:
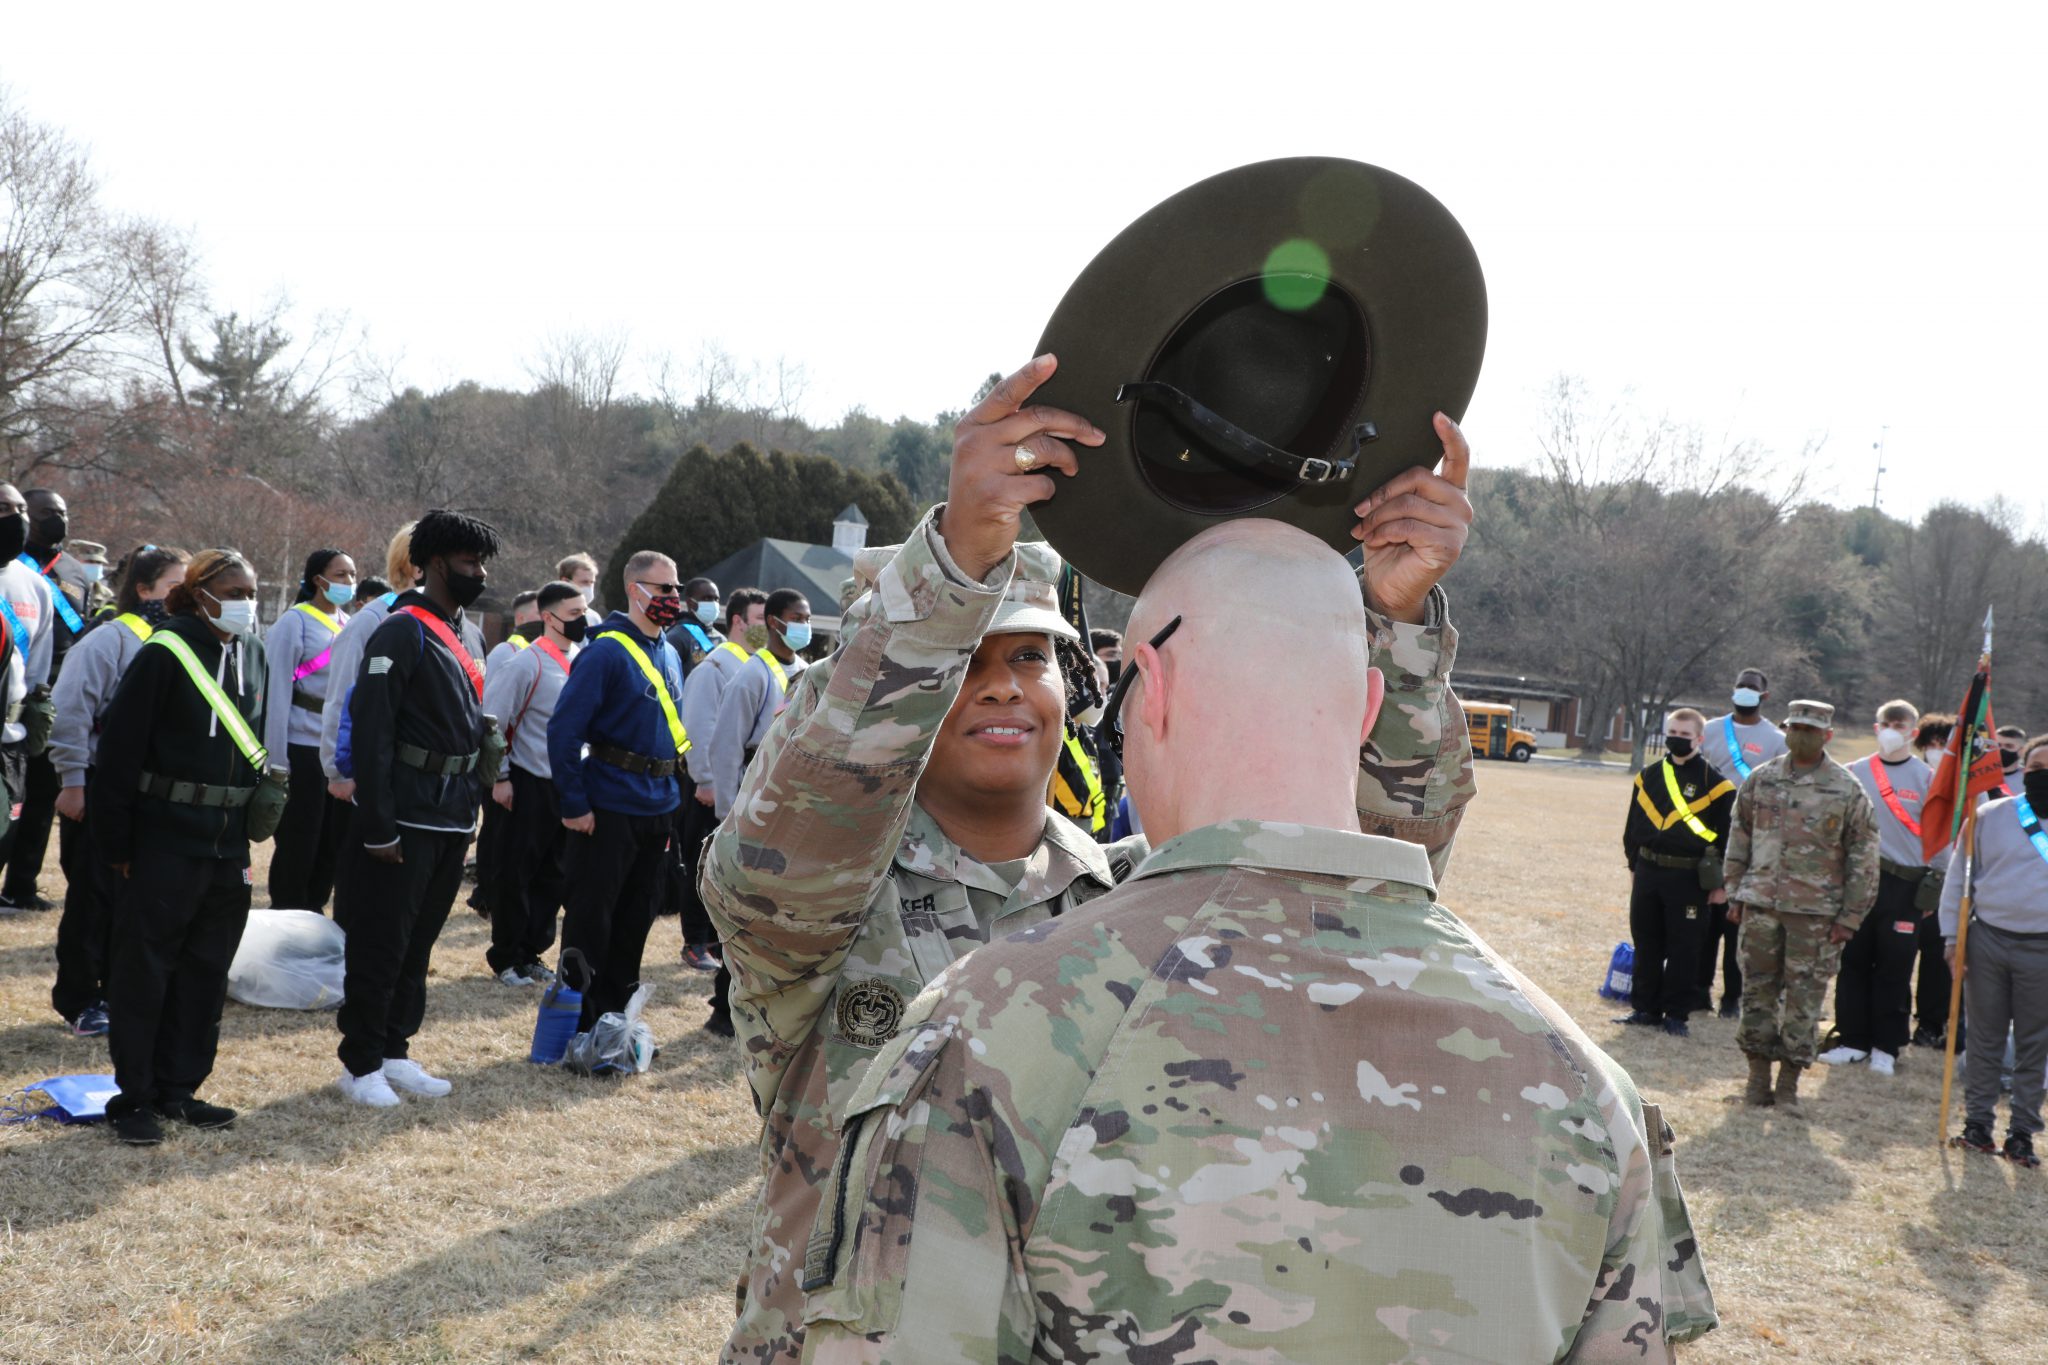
[448,638]
[547,647]
[1891,798]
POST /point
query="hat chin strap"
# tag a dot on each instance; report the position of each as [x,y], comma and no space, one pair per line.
[1241,444]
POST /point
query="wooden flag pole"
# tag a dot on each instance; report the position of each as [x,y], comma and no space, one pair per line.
[1955,988]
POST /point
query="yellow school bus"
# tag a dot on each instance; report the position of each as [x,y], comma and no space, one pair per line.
[1494,734]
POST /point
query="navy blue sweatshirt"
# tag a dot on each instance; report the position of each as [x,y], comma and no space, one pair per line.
[609,701]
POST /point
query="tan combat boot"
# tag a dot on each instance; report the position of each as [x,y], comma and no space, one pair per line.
[1758,1094]
[1788,1085]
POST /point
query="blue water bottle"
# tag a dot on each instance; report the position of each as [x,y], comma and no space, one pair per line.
[560,1010]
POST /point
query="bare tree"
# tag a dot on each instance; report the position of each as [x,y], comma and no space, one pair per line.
[167,293]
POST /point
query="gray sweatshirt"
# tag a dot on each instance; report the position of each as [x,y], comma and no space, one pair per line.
[2011,875]
[1760,743]
[703,692]
[520,690]
[92,669]
[1910,779]
[28,597]
[295,639]
[342,667]
[751,703]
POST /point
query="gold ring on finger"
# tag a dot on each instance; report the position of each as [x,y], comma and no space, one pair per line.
[1026,461]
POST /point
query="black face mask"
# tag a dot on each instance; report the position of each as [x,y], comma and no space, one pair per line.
[1678,746]
[13,537]
[51,528]
[2008,760]
[574,629]
[155,612]
[1115,666]
[530,631]
[2036,784]
[465,588]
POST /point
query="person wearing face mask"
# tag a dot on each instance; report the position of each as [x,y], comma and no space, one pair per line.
[2005,985]
[1801,872]
[29,615]
[92,565]
[758,693]
[697,634]
[619,795]
[71,585]
[1873,994]
[580,572]
[1734,745]
[301,649]
[422,752]
[490,849]
[93,670]
[172,806]
[525,872]
[1675,834]
[703,694]
[526,628]
[2012,742]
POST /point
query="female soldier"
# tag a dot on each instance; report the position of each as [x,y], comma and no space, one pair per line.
[300,646]
[92,669]
[178,766]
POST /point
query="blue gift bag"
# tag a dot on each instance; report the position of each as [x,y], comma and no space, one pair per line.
[1621,973]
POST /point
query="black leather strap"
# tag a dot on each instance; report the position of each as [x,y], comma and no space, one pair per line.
[1241,444]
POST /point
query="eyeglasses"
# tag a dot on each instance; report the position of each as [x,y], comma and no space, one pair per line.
[662,589]
[1112,724]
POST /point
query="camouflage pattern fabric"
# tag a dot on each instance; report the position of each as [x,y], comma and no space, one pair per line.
[1803,842]
[1787,962]
[1266,1102]
[838,899]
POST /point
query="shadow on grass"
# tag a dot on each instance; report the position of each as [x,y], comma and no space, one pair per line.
[1763,1166]
[524,1263]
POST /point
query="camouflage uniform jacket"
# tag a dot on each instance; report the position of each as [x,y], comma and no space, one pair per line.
[838,898]
[1267,1102]
[1803,842]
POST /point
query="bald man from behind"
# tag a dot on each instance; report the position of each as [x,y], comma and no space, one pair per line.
[1267,1101]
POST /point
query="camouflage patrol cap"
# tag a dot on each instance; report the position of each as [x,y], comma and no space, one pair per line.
[86,551]
[1819,714]
[1031,604]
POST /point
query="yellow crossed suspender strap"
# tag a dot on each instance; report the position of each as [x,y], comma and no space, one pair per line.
[1679,809]
[333,626]
[775,667]
[230,715]
[143,629]
[737,651]
[668,703]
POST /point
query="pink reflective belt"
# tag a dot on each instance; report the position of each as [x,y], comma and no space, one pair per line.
[312,665]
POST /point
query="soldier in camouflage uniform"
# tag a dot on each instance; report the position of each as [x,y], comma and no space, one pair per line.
[1801,873]
[840,890]
[1266,1102]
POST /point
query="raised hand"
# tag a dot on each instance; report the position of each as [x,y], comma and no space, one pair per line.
[1414,528]
[1002,450]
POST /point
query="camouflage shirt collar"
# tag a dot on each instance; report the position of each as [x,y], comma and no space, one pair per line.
[1292,848]
[1065,855]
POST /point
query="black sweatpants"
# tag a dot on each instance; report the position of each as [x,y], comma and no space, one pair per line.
[308,836]
[614,873]
[694,823]
[1727,938]
[1930,996]
[31,831]
[1667,919]
[1874,992]
[177,924]
[526,879]
[490,844]
[395,914]
[85,931]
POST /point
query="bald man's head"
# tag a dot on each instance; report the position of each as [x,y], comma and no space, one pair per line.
[1274,700]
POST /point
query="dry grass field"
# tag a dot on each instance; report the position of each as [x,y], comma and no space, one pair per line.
[535,1215]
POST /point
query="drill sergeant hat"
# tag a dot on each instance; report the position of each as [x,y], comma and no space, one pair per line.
[1272,342]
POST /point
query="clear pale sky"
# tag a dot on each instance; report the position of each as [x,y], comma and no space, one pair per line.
[1780,224]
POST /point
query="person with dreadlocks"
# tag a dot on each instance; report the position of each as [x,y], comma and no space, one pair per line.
[421,751]
[173,805]
[301,649]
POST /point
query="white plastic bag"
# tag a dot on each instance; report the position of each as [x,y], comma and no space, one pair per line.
[289,960]
[618,1043]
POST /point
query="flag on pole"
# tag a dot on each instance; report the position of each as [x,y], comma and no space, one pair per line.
[1970,766]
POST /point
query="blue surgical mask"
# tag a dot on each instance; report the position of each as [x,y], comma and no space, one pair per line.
[94,572]
[340,594]
[707,612]
[1746,697]
[796,634]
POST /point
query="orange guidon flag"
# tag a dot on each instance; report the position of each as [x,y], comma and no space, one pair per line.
[1969,766]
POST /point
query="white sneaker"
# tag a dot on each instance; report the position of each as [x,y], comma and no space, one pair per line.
[516,976]
[1881,1063]
[372,1089]
[1845,1056]
[407,1074]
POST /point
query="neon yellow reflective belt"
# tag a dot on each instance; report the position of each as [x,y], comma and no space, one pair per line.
[1681,811]
[775,667]
[229,714]
[519,641]
[668,705]
[1095,808]
[333,626]
[143,629]
[737,651]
